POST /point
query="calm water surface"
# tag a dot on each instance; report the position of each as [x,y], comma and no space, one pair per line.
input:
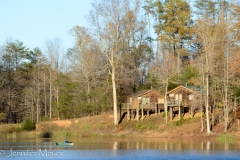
[120,149]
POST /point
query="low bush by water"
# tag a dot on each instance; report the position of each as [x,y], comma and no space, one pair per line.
[225,138]
[28,125]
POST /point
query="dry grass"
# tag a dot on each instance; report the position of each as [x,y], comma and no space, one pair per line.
[10,128]
[102,125]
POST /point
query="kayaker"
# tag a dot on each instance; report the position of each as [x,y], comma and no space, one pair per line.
[66,141]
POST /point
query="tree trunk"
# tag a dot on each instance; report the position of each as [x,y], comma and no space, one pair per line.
[45,97]
[57,104]
[165,101]
[207,105]
[226,91]
[50,95]
[226,107]
[202,127]
[114,97]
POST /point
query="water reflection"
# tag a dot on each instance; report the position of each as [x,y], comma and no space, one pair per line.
[120,144]
[170,144]
[116,148]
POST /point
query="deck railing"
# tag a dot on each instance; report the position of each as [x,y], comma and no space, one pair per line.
[151,105]
[126,106]
[174,102]
[145,106]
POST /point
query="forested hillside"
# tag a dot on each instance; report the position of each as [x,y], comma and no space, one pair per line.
[130,45]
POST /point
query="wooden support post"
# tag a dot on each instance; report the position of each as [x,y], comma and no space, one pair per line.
[156,109]
[128,112]
[120,111]
[171,113]
[142,111]
[191,111]
[137,113]
[131,113]
[179,110]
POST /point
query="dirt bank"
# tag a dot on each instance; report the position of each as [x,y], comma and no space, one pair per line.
[153,126]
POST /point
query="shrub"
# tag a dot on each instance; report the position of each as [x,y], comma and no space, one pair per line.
[225,138]
[141,127]
[178,122]
[28,125]
[164,114]
[2,116]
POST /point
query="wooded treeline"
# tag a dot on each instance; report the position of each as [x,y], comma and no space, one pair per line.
[130,45]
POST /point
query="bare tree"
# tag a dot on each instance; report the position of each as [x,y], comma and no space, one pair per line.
[107,20]
[163,73]
[54,49]
[207,32]
[87,64]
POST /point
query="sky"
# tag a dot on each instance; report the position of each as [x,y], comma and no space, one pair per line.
[33,22]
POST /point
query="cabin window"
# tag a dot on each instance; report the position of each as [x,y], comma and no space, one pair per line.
[145,100]
[131,100]
[191,96]
[178,97]
[160,100]
[171,95]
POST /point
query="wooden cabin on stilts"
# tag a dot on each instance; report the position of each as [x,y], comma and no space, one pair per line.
[141,102]
[181,98]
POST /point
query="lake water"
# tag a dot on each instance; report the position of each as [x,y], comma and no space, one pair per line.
[118,149]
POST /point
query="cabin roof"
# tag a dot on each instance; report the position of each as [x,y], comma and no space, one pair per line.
[194,89]
[142,92]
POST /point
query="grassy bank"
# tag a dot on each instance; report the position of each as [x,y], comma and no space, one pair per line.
[102,126]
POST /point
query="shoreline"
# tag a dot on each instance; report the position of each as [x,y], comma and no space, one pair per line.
[102,126]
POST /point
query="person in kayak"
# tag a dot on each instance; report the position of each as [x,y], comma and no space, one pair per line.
[66,141]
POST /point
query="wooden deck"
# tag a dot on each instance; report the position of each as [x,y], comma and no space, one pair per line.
[175,103]
[136,112]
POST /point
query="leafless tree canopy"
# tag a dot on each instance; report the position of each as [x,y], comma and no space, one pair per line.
[130,45]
